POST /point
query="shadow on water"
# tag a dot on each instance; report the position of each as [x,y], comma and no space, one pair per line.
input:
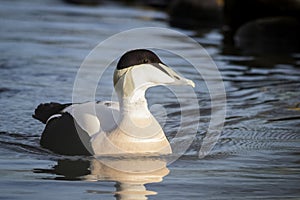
[22,143]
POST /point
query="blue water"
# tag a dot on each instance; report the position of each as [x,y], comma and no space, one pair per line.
[42,45]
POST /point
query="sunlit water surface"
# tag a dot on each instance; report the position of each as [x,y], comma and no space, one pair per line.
[42,47]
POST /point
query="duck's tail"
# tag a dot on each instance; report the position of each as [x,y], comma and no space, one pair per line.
[45,110]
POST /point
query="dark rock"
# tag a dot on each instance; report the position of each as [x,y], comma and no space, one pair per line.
[269,35]
[237,12]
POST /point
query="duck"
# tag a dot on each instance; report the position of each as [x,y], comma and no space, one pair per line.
[104,128]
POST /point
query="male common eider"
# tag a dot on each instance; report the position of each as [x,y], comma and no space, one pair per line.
[110,128]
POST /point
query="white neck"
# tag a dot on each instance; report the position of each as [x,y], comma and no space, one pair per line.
[135,106]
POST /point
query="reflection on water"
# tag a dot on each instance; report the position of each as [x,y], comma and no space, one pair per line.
[129,173]
[42,46]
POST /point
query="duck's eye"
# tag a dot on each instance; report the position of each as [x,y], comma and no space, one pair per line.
[145,61]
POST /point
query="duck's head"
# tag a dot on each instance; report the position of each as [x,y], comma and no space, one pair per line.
[139,69]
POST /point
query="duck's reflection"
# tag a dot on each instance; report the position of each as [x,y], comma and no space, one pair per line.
[130,173]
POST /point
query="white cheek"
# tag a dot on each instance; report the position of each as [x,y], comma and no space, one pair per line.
[148,74]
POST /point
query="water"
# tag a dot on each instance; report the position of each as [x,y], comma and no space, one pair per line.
[42,46]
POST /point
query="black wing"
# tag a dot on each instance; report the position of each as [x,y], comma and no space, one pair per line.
[63,135]
[44,111]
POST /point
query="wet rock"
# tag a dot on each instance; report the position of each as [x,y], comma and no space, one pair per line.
[237,12]
[269,35]
[195,14]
